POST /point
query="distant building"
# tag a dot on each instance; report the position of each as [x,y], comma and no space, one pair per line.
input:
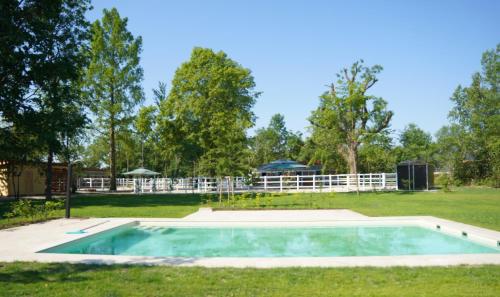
[29,179]
[90,172]
[287,167]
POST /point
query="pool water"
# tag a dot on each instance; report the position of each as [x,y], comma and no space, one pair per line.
[140,240]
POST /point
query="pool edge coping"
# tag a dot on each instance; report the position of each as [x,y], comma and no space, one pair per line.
[474,233]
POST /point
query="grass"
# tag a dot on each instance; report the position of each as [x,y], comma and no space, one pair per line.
[476,206]
[30,279]
[116,205]
[149,206]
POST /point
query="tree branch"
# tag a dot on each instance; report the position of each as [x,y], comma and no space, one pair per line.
[368,84]
[383,125]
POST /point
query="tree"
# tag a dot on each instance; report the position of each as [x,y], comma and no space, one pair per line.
[144,125]
[348,115]
[41,65]
[322,150]
[275,142]
[377,154]
[203,122]
[450,149]
[416,144]
[294,145]
[113,77]
[475,119]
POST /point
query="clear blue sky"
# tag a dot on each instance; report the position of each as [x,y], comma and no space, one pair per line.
[294,48]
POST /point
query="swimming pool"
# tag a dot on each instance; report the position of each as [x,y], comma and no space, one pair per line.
[338,241]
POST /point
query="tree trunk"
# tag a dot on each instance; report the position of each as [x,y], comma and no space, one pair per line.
[112,161]
[352,159]
[48,176]
[220,191]
[353,163]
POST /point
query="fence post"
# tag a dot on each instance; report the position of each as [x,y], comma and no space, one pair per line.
[265,183]
[281,183]
[330,182]
[348,181]
[298,187]
[383,180]
[102,183]
[314,182]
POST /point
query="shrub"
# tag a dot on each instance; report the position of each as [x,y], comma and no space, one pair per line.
[27,209]
[50,208]
[22,208]
[257,201]
[444,181]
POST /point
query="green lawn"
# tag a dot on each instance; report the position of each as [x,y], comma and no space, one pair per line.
[52,280]
[476,206]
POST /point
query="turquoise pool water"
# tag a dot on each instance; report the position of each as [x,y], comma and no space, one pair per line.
[141,240]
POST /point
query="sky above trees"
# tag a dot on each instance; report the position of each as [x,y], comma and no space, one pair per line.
[294,48]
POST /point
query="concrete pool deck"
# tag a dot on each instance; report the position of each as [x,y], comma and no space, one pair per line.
[24,243]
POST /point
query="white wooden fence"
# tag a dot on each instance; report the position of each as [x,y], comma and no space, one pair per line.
[299,183]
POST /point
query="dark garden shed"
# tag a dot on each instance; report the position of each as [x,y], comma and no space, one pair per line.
[415,175]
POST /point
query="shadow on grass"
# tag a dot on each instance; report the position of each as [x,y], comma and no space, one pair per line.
[54,272]
[29,273]
[136,200]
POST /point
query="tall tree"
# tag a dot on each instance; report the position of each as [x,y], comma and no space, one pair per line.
[377,154]
[41,65]
[450,148]
[203,122]
[144,125]
[476,113]
[416,144]
[348,114]
[275,142]
[113,77]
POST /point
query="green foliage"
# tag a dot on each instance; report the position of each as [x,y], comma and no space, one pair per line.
[275,142]
[112,80]
[470,146]
[145,126]
[347,115]
[377,154]
[25,208]
[444,181]
[322,149]
[416,144]
[204,120]
[40,101]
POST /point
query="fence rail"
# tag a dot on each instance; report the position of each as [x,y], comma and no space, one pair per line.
[298,183]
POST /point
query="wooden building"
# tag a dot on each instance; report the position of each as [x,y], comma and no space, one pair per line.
[29,179]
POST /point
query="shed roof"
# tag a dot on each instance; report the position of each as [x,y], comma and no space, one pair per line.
[141,172]
[412,162]
[282,165]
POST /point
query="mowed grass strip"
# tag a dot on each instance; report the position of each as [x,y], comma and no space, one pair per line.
[36,279]
[475,206]
[129,205]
